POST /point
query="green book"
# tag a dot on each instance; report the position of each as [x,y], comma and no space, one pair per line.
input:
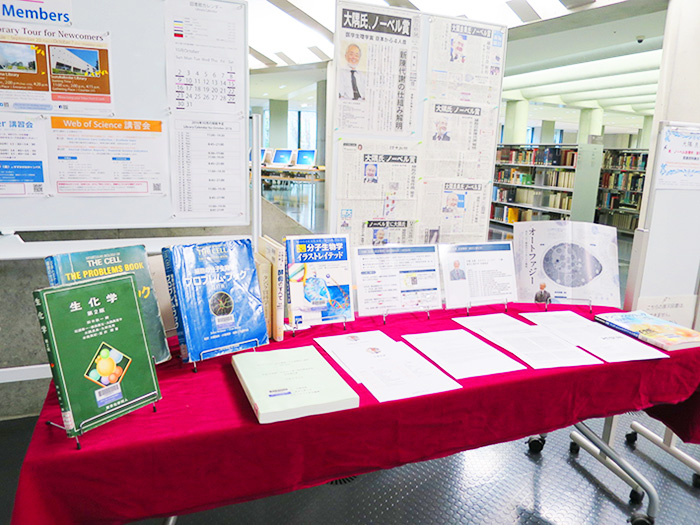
[77,266]
[97,346]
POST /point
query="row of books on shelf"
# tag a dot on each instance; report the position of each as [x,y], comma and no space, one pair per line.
[623,201]
[625,160]
[561,179]
[533,197]
[511,214]
[622,181]
[621,221]
[540,155]
[515,176]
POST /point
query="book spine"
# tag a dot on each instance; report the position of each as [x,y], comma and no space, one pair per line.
[45,325]
[172,289]
[617,327]
[52,270]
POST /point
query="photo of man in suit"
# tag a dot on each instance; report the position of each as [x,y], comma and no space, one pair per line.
[370,173]
[543,295]
[351,81]
[441,132]
[457,274]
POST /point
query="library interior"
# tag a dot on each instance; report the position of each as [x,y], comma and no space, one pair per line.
[383,258]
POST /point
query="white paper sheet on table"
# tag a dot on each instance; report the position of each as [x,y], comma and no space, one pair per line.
[606,343]
[406,374]
[348,350]
[390,370]
[463,355]
[535,345]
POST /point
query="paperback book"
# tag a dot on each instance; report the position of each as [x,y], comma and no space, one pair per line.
[275,253]
[662,333]
[216,298]
[292,383]
[319,280]
[97,346]
[73,267]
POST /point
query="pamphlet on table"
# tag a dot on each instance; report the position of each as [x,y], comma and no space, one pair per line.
[535,345]
[319,280]
[216,298]
[463,355]
[663,333]
[599,340]
[390,370]
[566,262]
[97,345]
[477,273]
[397,279]
[292,383]
[68,268]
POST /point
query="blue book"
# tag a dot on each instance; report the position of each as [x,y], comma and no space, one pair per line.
[216,298]
[69,268]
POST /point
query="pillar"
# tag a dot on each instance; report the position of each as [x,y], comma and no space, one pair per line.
[666,254]
[644,136]
[590,122]
[278,123]
[321,87]
[515,131]
[547,132]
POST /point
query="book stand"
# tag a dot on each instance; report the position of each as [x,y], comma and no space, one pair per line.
[470,304]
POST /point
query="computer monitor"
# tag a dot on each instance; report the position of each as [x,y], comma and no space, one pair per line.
[282,157]
[306,157]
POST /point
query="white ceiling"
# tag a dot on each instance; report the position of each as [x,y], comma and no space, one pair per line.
[605,55]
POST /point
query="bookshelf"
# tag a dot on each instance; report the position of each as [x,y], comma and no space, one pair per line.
[545,182]
[621,186]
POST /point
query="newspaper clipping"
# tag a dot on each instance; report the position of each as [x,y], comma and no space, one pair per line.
[455,210]
[377,59]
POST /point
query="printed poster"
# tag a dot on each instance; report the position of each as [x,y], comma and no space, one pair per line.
[477,273]
[678,159]
[23,156]
[115,157]
[54,70]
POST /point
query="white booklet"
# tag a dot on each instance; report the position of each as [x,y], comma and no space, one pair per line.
[477,273]
[462,354]
[606,343]
[535,345]
[566,262]
[397,278]
[292,383]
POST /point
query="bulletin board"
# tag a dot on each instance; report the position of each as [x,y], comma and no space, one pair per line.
[671,263]
[416,101]
[134,114]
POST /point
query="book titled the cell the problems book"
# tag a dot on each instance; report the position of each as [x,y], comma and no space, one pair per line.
[216,298]
[97,346]
[68,268]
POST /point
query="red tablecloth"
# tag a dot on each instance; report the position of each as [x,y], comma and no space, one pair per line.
[204,448]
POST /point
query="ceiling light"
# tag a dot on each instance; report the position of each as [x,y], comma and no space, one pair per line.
[283,86]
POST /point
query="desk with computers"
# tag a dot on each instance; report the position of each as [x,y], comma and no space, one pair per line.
[292,165]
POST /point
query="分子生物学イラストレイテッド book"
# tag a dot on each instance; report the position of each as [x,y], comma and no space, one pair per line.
[68,268]
[97,347]
[216,298]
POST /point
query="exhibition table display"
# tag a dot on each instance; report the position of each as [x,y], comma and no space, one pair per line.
[204,447]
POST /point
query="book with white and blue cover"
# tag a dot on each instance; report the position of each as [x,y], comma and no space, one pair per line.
[216,298]
[319,280]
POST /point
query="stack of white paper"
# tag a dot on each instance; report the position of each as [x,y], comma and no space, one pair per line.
[535,345]
[462,354]
[292,383]
[390,370]
[606,343]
